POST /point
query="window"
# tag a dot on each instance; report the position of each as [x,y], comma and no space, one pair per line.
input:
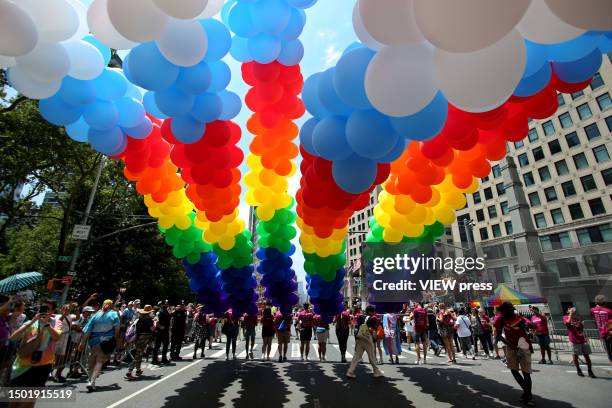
[496,171]
[557,216]
[595,234]
[592,131]
[568,188]
[554,147]
[544,173]
[496,230]
[532,135]
[485,179]
[604,101]
[576,211]
[534,199]
[523,159]
[580,161]
[560,99]
[484,234]
[538,153]
[540,220]
[551,194]
[601,153]
[599,264]
[488,193]
[596,82]
[492,211]
[480,215]
[597,207]
[566,120]
[548,128]
[504,207]
[577,95]
[609,123]
[508,225]
[588,183]
[606,175]
[584,111]
[561,167]
[565,268]
[501,190]
[519,144]
[555,241]
[572,139]
[528,179]
[476,197]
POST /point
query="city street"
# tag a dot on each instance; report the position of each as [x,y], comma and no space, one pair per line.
[215,382]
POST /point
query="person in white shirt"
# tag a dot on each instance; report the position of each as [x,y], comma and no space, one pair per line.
[464,332]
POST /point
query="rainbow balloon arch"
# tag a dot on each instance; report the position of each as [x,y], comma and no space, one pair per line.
[422,105]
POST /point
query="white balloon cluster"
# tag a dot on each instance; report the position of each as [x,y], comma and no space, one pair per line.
[472,50]
[42,43]
[122,24]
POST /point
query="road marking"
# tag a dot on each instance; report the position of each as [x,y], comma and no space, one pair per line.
[243,354]
[218,354]
[129,397]
[295,350]
[348,355]
[273,350]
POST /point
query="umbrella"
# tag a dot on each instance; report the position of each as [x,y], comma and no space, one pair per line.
[503,293]
[19,281]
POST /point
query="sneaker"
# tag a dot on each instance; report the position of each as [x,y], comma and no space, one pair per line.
[424,361]
[351,375]
[417,362]
[591,374]
[343,359]
[129,376]
[251,355]
[91,386]
[284,358]
[579,372]
[280,359]
[473,357]
[324,358]
[542,362]
[379,374]
[138,373]
[550,362]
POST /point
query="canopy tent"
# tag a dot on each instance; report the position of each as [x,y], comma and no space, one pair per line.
[504,293]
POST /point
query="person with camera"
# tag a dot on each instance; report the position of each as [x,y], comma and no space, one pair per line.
[101,333]
[580,345]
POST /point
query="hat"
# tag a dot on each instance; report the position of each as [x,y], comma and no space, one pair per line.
[108,302]
[88,309]
[146,310]
[137,301]
[130,303]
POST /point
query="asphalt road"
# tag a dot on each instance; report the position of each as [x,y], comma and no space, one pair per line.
[215,382]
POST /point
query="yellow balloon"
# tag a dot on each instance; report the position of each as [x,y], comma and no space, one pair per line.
[227,243]
[265,213]
[392,235]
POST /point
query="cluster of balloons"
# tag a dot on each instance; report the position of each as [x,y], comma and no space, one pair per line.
[326,296]
[190,91]
[278,277]
[267,30]
[279,231]
[239,284]
[205,282]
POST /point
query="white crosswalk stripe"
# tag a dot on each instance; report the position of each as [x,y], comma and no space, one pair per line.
[273,350]
[348,355]
[295,350]
[243,353]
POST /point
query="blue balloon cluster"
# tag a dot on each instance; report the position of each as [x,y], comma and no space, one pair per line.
[573,61]
[348,131]
[239,284]
[325,296]
[278,278]
[267,30]
[191,96]
[205,282]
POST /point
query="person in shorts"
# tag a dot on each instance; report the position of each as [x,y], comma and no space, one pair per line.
[539,322]
[580,346]
[283,333]
[603,320]
[249,322]
[305,324]
[322,334]
[421,324]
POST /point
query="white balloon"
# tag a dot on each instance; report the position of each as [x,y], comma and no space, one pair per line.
[56,20]
[48,62]
[102,28]
[18,33]
[86,62]
[467,25]
[484,79]
[399,80]
[81,11]
[390,22]
[137,20]
[541,25]
[185,9]
[6,62]
[183,42]
[361,32]
[212,8]
[587,14]
[29,86]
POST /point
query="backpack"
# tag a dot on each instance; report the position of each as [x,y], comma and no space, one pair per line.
[364,333]
[130,334]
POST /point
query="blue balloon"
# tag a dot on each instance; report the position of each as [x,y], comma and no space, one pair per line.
[426,123]
[396,152]
[195,79]
[207,107]
[310,97]
[77,92]
[150,105]
[328,96]
[295,26]
[240,49]
[225,11]
[219,39]
[108,142]
[101,115]
[579,70]
[369,134]
[291,53]
[271,16]
[264,48]
[349,77]
[240,20]
[329,139]
[173,102]
[149,69]
[187,129]
[535,83]
[131,112]
[537,57]
[354,174]
[302,3]
[140,131]
[574,49]
[78,130]
[110,85]
[220,76]
[605,43]
[58,112]
[133,92]
[306,135]
[104,50]
[231,103]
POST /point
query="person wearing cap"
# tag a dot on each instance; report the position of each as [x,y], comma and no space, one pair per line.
[145,328]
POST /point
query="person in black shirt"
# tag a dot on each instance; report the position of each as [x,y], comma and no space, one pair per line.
[177,331]
[162,334]
[432,331]
[145,327]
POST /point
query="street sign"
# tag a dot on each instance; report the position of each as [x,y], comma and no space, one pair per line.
[64,258]
[81,232]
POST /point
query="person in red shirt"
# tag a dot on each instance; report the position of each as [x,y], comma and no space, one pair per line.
[518,347]
[603,320]
[539,322]
[283,334]
[249,322]
[305,323]
[322,334]
[343,324]
[446,323]
[575,333]
[419,316]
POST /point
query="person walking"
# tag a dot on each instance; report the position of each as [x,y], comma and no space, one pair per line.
[539,323]
[162,334]
[603,320]
[268,330]
[446,324]
[433,337]
[478,333]
[392,342]
[249,322]
[230,329]
[421,324]
[580,346]
[343,327]
[322,334]
[464,332]
[305,323]
[408,326]
[200,331]
[364,342]
[178,329]
[283,324]
[144,328]
[62,344]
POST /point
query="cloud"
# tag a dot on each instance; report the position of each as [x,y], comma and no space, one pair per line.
[332,55]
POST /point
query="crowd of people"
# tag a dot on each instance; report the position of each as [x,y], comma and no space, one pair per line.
[38,345]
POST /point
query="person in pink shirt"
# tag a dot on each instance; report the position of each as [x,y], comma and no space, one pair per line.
[539,322]
[305,324]
[603,319]
[575,333]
